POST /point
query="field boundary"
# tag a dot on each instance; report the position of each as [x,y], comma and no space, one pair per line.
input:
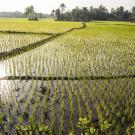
[24,32]
[18,51]
[66,78]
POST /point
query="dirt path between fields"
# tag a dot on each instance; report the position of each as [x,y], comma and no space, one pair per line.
[29,33]
[66,78]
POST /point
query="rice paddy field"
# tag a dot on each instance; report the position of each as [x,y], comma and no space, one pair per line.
[79,83]
[44,25]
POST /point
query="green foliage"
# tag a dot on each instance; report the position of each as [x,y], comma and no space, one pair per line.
[133,128]
[2,122]
[32,128]
[84,127]
[105,125]
[100,13]
[82,123]
[87,127]
[1,118]
[71,133]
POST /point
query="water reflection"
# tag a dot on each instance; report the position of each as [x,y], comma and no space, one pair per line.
[2,71]
[3,83]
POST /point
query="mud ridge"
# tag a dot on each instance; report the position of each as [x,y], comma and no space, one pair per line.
[66,78]
[25,32]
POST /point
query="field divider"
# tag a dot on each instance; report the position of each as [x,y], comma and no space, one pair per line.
[18,51]
[66,78]
[25,32]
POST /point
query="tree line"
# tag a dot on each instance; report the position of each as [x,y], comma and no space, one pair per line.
[18,14]
[15,14]
[87,14]
[77,14]
[29,13]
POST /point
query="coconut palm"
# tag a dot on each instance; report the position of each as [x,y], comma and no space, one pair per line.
[53,14]
[62,6]
[30,13]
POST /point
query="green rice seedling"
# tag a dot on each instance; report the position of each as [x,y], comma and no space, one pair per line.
[69,89]
[44,104]
[78,105]
[9,42]
[53,106]
[62,109]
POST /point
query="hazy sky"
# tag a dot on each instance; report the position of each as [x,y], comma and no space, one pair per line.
[46,6]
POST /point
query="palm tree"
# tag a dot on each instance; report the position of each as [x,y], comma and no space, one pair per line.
[132,18]
[53,14]
[58,14]
[133,10]
[30,13]
[62,6]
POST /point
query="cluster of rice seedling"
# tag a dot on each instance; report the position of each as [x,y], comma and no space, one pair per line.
[59,105]
[9,42]
[88,56]
[77,106]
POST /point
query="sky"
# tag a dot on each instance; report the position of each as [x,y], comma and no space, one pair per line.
[46,6]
